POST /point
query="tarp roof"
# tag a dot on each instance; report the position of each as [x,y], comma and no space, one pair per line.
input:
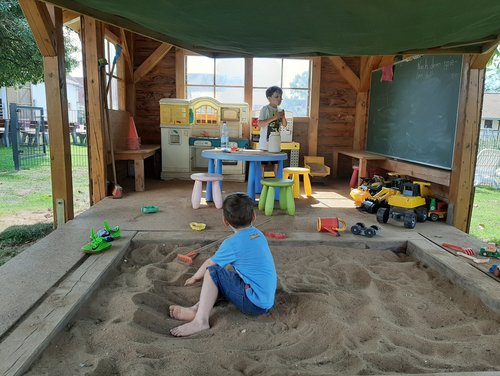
[306,27]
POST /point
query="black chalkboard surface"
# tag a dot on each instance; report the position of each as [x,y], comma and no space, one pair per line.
[414,117]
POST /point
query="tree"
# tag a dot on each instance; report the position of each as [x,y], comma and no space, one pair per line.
[20,59]
[300,81]
[492,79]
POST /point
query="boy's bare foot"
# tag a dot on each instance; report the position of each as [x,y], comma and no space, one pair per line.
[183,313]
[188,329]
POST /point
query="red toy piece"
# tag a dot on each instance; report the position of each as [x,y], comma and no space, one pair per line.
[276,235]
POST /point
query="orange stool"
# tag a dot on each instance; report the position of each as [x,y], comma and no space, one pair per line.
[296,172]
[217,194]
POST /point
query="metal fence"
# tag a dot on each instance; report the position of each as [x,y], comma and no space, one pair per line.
[487,173]
[28,136]
[489,139]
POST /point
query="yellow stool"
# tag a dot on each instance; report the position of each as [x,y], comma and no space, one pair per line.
[266,201]
[296,172]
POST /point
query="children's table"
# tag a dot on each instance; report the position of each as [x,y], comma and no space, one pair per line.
[253,157]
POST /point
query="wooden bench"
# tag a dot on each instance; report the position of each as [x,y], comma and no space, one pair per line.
[363,158]
[138,156]
[430,174]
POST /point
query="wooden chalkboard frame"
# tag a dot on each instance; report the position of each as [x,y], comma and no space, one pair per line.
[414,117]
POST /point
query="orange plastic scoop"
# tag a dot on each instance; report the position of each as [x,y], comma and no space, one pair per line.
[187,258]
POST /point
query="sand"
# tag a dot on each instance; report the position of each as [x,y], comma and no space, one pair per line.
[337,311]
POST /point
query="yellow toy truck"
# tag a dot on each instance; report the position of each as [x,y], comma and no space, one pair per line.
[410,206]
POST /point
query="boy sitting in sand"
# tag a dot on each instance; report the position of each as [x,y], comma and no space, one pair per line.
[250,287]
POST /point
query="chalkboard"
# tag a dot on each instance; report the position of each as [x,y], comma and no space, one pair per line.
[414,117]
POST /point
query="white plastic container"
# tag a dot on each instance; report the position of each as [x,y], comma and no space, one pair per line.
[274,143]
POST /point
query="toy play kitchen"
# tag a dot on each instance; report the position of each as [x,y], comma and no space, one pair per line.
[189,127]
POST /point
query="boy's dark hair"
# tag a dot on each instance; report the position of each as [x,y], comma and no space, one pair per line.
[238,210]
[273,89]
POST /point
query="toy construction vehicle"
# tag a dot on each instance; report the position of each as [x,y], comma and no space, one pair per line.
[379,200]
[368,188]
[437,209]
[410,205]
[490,251]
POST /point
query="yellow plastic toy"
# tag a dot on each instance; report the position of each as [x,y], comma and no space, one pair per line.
[368,188]
[197,226]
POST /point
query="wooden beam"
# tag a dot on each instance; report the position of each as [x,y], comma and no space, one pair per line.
[386,60]
[368,64]
[466,143]
[57,115]
[41,25]
[126,53]
[92,51]
[128,41]
[346,72]
[360,121]
[180,73]
[109,35]
[480,61]
[151,61]
[314,112]
[69,16]
[248,94]
[366,73]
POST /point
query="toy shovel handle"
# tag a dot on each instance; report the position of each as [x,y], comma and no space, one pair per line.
[453,246]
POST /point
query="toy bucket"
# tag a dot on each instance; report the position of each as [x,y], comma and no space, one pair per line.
[331,225]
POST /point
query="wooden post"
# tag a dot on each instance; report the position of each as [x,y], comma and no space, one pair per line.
[57,115]
[360,121]
[361,117]
[247,128]
[127,40]
[92,51]
[180,74]
[49,37]
[461,192]
[314,112]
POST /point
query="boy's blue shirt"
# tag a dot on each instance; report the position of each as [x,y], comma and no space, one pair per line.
[249,254]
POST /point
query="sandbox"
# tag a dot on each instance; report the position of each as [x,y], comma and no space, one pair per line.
[339,310]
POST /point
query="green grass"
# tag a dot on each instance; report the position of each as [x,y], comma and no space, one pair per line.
[15,239]
[485,220]
[31,189]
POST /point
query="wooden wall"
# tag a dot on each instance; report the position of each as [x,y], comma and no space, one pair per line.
[337,109]
[337,102]
[157,84]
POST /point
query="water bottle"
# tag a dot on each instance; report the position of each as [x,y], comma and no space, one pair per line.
[224,136]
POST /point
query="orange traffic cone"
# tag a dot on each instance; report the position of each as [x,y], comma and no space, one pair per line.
[133,140]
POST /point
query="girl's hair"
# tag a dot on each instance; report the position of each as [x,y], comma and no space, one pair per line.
[273,89]
[238,210]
